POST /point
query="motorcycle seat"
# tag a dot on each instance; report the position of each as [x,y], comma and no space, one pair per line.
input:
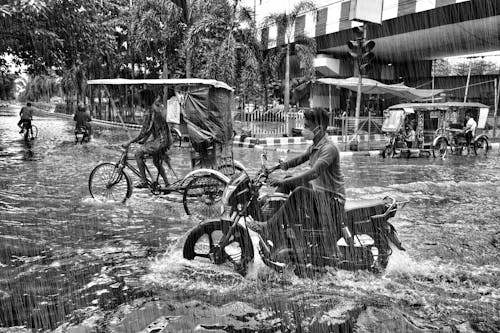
[351,205]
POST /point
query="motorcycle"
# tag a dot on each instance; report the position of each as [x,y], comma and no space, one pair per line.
[360,240]
[82,135]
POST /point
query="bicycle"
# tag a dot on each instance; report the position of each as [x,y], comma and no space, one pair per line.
[201,189]
[29,134]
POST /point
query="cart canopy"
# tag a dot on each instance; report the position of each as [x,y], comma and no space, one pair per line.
[171,82]
[205,105]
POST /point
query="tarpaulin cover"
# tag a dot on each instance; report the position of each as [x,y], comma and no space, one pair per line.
[369,86]
[207,112]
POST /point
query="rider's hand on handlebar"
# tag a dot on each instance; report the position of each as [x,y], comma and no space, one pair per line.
[275,182]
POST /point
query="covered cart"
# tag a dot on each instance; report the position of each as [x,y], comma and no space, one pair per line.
[201,112]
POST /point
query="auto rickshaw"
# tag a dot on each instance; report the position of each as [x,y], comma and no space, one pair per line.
[437,126]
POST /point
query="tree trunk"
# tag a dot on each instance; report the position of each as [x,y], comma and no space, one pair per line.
[287,79]
[188,63]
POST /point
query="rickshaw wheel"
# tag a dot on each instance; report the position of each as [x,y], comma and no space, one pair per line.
[388,152]
[440,148]
[203,196]
[481,147]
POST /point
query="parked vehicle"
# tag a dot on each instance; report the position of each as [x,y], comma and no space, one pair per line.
[307,245]
[438,126]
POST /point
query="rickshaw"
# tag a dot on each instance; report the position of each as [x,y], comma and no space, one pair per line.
[437,126]
[205,116]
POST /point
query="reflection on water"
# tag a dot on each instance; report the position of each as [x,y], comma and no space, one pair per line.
[64,256]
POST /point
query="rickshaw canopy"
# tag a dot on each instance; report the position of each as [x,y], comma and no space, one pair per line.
[173,82]
[205,105]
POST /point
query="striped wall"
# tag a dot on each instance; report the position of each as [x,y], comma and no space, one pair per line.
[332,16]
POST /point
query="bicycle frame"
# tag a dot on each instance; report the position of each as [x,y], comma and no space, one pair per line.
[152,184]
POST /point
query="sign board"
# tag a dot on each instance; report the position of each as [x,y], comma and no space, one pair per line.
[173,111]
[366,11]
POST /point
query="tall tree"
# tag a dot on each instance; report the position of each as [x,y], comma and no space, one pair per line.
[156,33]
[304,47]
[478,67]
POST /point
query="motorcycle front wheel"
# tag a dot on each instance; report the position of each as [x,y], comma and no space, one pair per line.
[203,243]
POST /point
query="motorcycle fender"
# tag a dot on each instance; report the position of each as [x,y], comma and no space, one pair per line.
[203,172]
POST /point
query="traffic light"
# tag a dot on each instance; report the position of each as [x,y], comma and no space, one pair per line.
[361,49]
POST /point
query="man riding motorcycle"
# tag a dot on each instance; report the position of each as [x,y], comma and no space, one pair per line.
[82,119]
[318,193]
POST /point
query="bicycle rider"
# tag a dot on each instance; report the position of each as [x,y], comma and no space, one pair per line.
[470,128]
[156,126]
[26,115]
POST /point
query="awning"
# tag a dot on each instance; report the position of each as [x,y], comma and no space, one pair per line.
[370,86]
[186,82]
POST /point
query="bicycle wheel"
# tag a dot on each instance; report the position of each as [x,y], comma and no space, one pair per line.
[176,136]
[202,196]
[109,183]
[202,243]
[440,148]
[481,146]
[388,152]
[34,129]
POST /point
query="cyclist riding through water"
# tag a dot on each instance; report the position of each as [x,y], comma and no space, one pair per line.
[156,126]
[26,115]
[319,190]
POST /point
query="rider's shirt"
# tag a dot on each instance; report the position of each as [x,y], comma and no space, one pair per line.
[26,113]
[81,118]
[156,125]
[471,126]
[332,178]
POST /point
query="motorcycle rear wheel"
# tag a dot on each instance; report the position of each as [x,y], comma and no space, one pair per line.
[202,243]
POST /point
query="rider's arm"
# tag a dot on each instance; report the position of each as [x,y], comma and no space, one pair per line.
[145,130]
[325,160]
[297,160]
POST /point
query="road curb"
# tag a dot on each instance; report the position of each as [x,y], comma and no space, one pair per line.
[285,141]
[270,144]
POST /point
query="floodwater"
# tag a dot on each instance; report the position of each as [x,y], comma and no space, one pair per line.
[70,263]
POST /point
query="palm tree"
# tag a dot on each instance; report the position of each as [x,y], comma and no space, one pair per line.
[304,47]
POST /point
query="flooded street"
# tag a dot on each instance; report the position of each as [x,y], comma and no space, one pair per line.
[66,258]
